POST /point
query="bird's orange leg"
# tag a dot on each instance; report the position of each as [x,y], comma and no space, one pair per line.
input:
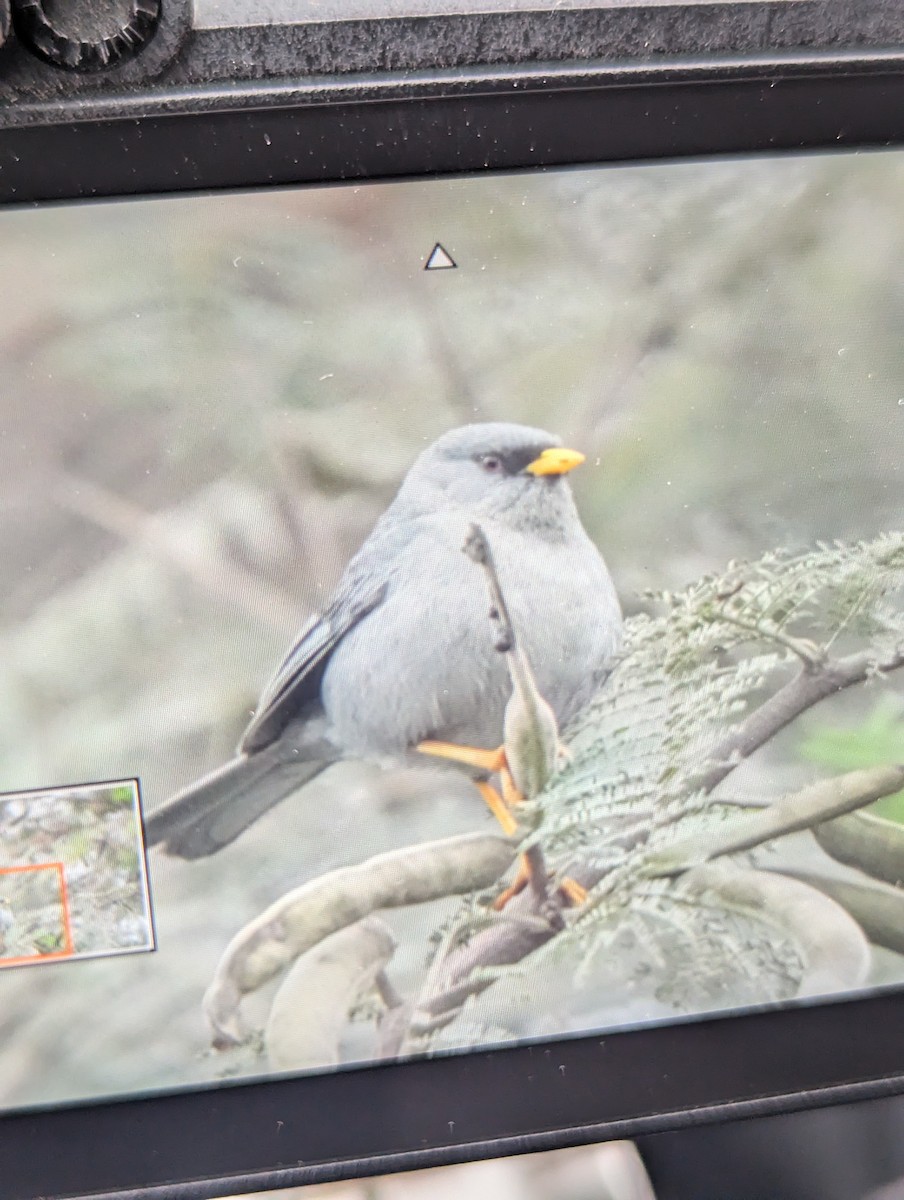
[518,884]
[510,793]
[495,762]
[574,893]
[490,761]
[511,797]
[570,890]
[497,807]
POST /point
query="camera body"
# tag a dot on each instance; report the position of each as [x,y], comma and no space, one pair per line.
[115,99]
[100,62]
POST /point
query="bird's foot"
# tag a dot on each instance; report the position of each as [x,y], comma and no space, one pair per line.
[497,807]
[574,894]
[568,894]
[494,762]
[490,761]
[518,884]
[532,875]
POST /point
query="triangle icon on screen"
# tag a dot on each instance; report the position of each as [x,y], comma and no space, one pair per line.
[439,260]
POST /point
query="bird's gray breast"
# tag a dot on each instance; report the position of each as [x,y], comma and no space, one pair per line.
[424,664]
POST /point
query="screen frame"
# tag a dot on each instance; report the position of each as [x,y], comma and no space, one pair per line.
[241,1136]
[520,118]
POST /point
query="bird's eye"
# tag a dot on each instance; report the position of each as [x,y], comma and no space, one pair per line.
[491,463]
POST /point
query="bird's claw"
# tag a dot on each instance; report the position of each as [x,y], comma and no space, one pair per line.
[573,894]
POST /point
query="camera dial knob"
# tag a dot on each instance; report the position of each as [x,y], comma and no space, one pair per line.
[84,35]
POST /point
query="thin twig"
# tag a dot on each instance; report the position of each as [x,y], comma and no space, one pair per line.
[531,730]
[811,655]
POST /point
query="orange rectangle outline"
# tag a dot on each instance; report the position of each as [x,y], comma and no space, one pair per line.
[68,948]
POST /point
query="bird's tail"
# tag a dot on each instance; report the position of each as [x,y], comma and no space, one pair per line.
[212,812]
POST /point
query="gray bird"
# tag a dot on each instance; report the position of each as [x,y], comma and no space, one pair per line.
[404,652]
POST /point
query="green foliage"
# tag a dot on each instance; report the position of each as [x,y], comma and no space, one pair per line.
[876,741]
[47,941]
[693,669]
[696,666]
[77,846]
[126,859]
[122,795]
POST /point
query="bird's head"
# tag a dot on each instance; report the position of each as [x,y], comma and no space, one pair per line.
[495,470]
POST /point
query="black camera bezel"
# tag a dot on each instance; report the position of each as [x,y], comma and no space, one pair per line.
[524,117]
[212,1140]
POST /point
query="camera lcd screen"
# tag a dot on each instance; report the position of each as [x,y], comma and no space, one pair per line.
[446,614]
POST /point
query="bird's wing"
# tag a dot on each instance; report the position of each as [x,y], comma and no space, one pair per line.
[297,682]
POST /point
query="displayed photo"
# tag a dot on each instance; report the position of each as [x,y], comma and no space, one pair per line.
[495,587]
[73,881]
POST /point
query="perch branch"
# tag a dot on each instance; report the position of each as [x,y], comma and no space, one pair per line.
[877,908]
[311,1008]
[811,806]
[806,689]
[514,934]
[305,916]
[868,842]
[531,730]
[464,972]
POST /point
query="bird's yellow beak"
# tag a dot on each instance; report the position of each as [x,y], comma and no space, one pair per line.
[555,461]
